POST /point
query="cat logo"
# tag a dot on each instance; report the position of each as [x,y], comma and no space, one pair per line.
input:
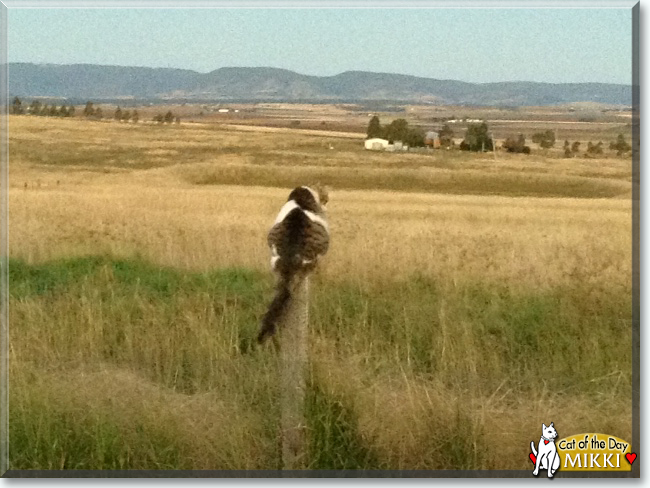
[545,456]
[580,452]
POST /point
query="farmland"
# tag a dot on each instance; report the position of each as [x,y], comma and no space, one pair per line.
[465,297]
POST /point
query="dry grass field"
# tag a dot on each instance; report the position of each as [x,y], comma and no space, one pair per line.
[464,301]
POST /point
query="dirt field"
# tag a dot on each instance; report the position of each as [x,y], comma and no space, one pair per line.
[580,121]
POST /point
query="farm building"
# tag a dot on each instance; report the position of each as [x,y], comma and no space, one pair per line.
[432,139]
[376,144]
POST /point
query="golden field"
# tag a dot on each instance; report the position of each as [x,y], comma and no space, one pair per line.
[465,299]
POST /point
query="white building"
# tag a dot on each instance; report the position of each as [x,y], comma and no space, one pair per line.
[376,144]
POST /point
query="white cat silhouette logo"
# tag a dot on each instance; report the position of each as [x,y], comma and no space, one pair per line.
[545,456]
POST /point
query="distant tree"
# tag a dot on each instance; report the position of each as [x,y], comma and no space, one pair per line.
[71,111]
[477,138]
[17,106]
[118,113]
[53,111]
[521,140]
[98,114]
[516,145]
[63,111]
[510,144]
[414,137]
[135,117]
[397,130]
[126,115]
[594,149]
[177,120]
[35,107]
[545,139]
[45,110]
[169,117]
[89,110]
[620,145]
[567,149]
[374,128]
[446,136]
[575,147]
[158,118]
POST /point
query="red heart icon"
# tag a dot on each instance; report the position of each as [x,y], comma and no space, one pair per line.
[545,442]
[532,457]
[630,457]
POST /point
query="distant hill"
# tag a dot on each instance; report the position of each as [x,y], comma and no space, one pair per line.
[87,81]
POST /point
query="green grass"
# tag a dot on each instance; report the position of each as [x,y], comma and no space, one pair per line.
[566,335]
[117,363]
[49,435]
[334,439]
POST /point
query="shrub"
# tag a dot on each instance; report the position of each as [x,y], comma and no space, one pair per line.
[477,138]
[620,145]
[545,139]
[516,146]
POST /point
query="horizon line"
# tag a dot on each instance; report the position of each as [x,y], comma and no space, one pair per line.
[317,76]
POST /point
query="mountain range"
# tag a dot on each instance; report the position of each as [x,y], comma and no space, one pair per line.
[88,81]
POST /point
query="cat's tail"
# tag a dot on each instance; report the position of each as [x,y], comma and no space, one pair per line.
[532,446]
[275,312]
[287,268]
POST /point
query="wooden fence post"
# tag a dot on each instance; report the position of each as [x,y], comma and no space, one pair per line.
[293,342]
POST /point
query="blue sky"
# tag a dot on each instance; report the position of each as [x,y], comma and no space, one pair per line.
[477,45]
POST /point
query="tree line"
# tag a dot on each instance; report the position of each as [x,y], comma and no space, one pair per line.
[397,130]
[478,138]
[168,118]
[39,108]
[36,107]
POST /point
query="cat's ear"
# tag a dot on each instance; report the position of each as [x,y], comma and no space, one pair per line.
[543,426]
[551,424]
[323,192]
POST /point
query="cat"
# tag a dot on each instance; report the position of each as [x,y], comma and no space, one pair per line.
[546,456]
[298,239]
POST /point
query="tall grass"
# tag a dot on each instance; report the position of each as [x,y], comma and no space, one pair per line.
[103,342]
[216,155]
[444,329]
[469,182]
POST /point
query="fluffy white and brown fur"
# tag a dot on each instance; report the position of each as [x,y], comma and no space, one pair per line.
[298,239]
